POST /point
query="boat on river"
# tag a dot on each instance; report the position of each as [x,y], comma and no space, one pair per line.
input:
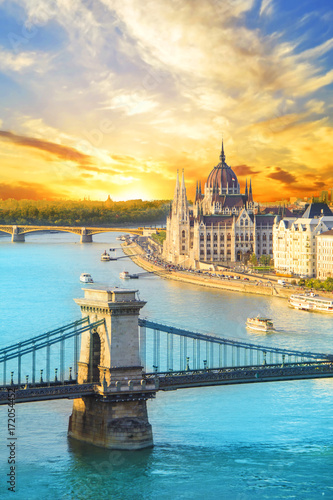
[260,324]
[124,275]
[311,302]
[86,278]
[105,257]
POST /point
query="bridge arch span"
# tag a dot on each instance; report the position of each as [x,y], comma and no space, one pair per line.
[18,232]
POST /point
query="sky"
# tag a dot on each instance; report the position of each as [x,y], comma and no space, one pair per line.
[112,97]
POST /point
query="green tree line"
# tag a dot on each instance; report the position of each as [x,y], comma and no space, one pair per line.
[316,284]
[81,213]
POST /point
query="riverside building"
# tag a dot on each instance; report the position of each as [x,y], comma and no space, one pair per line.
[295,240]
[325,255]
[221,226]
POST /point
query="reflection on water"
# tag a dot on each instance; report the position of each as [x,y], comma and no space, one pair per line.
[241,442]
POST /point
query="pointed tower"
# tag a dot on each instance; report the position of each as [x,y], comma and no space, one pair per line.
[222,155]
[196,192]
[246,190]
[176,196]
[183,212]
[250,199]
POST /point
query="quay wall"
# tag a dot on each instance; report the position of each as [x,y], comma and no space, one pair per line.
[136,253]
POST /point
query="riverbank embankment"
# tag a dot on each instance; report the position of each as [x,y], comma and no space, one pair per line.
[137,254]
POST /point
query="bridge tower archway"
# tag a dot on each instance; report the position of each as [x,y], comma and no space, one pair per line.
[95,357]
[116,416]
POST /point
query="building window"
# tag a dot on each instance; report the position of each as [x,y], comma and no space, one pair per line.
[264,237]
[183,247]
[228,236]
[215,237]
[183,234]
[222,237]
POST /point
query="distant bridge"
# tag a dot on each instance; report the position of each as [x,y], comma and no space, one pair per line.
[86,233]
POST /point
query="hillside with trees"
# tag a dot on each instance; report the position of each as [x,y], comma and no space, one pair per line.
[82,213]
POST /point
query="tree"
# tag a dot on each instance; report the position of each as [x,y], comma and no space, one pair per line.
[253,259]
[265,260]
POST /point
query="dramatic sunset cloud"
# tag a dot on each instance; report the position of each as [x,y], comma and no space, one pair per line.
[113,96]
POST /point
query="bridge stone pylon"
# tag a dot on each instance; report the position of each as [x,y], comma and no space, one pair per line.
[17,236]
[116,417]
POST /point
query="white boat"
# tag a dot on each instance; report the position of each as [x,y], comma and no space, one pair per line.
[105,256]
[86,278]
[311,302]
[124,275]
[260,324]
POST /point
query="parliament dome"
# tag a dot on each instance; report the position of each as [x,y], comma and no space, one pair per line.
[222,178]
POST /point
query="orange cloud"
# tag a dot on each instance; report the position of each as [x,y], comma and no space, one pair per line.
[282,176]
[58,150]
[244,170]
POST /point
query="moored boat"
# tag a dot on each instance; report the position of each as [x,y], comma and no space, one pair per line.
[311,302]
[86,278]
[260,324]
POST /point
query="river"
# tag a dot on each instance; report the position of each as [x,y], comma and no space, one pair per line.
[255,441]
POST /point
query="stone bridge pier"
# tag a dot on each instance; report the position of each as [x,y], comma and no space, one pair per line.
[116,416]
[85,236]
[16,236]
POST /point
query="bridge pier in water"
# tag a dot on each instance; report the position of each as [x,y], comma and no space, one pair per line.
[16,236]
[116,416]
[85,237]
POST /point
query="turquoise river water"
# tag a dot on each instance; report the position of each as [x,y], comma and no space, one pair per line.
[255,441]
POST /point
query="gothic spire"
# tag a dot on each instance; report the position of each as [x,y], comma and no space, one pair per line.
[182,209]
[177,184]
[176,195]
[222,155]
[246,191]
[250,193]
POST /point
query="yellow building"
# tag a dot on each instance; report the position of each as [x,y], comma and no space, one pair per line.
[325,255]
[294,240]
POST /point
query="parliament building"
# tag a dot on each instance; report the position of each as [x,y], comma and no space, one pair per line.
[221,227]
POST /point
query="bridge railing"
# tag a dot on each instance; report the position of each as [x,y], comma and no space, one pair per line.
[49,357]
[165,348]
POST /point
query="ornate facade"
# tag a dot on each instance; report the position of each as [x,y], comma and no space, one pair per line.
[295,240]
[221,226]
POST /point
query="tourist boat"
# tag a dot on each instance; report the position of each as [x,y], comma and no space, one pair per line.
[124,275]
[311,302]
[86,278]
[105,256]
[259,323]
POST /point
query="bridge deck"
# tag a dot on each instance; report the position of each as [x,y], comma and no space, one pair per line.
[167,382]
[241,375]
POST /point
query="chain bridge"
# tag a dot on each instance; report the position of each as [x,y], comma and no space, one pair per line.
[86,233]
[112,361]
